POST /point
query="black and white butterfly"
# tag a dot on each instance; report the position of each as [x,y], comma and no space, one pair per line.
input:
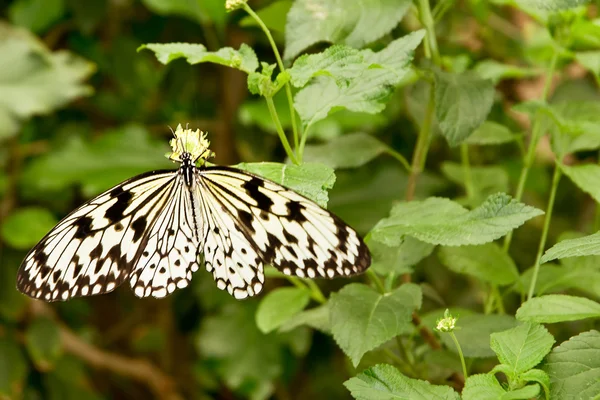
[155,229]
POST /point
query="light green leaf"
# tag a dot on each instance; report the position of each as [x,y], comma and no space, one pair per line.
[474,333]
[482,387]
[583,246]
[243,59]
[342,63]
[398,259]
[116,156]
[274,16]
[36,15]
[553,5]
[279,305]
[317,318]
[586,177]
[348,151]
[492,133]
[44,343]
[590,60]
[312,21]
[35,81]
[487,262]
[362,319]
[311,180]
[13,368]
[554,308]
[485,180]
[496,71]
[552,278]
[462,104]
[574,126]
[26,226]
[384,382]
[202,11]
[574,367]
[539,376]
[442,221]
[363,91]
[522,347]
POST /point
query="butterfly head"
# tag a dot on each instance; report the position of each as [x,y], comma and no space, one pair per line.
[189,145]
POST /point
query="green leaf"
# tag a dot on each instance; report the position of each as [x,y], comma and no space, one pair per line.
[273,16]
[35,81]
[496,71]
[97,165]
[13,368]
[485,180]
[590,60]
[398,259]
[317,318]
[442,221]
[347,151]
[574,367]
[539,376]
[243,59]
[309,22]
[384,382]
[586,177]
[462,104]
[474,333]
[583,246]
[554,308]
[363,90]
[553,5]
[36,15]
[279,306]
[362,319]
[482,387]
[202,11]
[310,180]
[492,133]
[574,126]
[44,343]
[522,347]
[552,278]
[26,226]
[487,262]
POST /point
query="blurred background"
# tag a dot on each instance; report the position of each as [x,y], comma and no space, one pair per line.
[82,110]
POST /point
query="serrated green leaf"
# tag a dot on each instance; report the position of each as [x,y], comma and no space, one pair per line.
[485,180]
[586,177]
[13,368]
[26,226]
[554,308]
[309,22]
[442,221]
[474,333]
[279,305]
[342,63]
[574,367]
[348,151]
[496,71]
[583,246]
[367,90]
[44,343]
[317,318]
[462,104]
[398,259]
[97,165]
[482,387]
[487,262]
[35,81]
[243,59]
[311,180]
[27,13]
[273,16]
[522,347]
[492,133]
[384,382]
[362,319]
[539,376]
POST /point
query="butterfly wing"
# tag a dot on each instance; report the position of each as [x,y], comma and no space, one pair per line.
[252,221]
[93,249]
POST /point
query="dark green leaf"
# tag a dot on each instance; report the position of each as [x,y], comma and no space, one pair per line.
[44,343]
[485,180]
[347,151]
[554,308]
[202,11]
[279,306]
[36,15]
[273,16]
[398,259]
[586,176]
[13,368]
[492,133]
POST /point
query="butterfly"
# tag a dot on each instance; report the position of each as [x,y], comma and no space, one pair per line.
[156,229]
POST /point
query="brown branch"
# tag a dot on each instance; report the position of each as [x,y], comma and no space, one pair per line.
[139,370]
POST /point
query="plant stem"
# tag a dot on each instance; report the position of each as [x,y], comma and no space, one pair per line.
[429,24]
[460,354]
[399,157]
[288,89]
[316,295]
[316,291]
[376,281]
[466,165]
[536,268]
[498,297]
[280,132]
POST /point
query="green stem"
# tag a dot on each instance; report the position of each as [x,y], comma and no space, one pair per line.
[498,297]
[399,157]
[536,268]
[376,281]
[316,291]
[466,165]
[315,295]
[280,132]
[460,354]
[429,24]
[288,88]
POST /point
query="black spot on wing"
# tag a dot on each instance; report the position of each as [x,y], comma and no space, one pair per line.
[246,218]
[138,226]
[115,212]
[252,187]
[295,211]
[84,227]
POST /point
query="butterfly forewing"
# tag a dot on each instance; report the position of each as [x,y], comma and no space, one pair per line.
[93,249]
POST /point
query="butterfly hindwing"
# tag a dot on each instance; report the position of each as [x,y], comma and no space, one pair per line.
[92,250]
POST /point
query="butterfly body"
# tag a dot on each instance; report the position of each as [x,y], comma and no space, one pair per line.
[152,230]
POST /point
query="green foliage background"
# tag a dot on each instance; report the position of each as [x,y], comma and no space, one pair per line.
[412,122]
